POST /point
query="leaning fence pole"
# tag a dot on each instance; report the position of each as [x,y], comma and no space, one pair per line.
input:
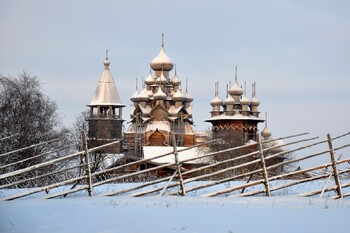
[87,162]
[263,165]
[167,184]
[334,166]
[178,166]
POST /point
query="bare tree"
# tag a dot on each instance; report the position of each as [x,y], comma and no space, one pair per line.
[30,115]
[80,124]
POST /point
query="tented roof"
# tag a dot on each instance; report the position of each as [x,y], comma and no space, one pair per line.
[106,93]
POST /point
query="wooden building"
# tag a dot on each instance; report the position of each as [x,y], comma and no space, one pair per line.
[105,118]
[236,118]
[160,110]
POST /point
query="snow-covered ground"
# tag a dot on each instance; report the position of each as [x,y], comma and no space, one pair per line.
[79,213]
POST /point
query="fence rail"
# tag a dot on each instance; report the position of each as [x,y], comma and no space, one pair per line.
[255,167]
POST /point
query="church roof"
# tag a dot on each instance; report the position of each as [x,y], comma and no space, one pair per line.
[162,61]
[234,117]
[158,125]
[106,93]
[192,153]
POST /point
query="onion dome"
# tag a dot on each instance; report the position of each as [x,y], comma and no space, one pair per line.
[236,89]
[134,97]
[255,101]
[143,96]
[162,61]
[245,100]
[188,97]
[229,100]
[266,132]
[149,80]
[149,91]
[162,79]
[178,96]
[175,81]
[216,101]
[159,95]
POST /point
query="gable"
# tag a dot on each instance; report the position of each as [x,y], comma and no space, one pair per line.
[159,113]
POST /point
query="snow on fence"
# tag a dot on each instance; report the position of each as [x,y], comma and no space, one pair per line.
[254,167]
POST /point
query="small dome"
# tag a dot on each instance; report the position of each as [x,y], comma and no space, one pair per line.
[266,132]
[148,92]
[162,61]
[178,96]
[216,101]
[106,63]
[229,100]
[162,79]
[149,80]
[134,97]
[175,81]
[143,96]
[236,90]
[159,95]
[245,100]
[188,97]
[255,102]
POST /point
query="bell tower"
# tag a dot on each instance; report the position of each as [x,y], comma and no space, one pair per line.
[105,118]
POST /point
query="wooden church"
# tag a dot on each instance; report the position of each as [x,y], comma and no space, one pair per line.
[161,110]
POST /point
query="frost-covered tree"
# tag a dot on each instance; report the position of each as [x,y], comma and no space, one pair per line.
[31,117]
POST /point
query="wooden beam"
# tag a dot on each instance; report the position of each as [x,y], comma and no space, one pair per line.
[178,166]
[8,137]
[33,157]
[39,177]
[34,167]
[263,166]
[87,162]
[334,166]
[28,147]
[41,189]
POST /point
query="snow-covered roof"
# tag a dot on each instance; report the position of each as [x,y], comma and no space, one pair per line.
[153,151]
[234,117]
[146,110]
[106,93]
[160,125]
[174,111]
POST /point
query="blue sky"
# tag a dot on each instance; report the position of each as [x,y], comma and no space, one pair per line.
[296,51]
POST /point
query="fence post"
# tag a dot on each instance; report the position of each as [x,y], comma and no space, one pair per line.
[334,166]
[178,166]
[263,165]
[87,161]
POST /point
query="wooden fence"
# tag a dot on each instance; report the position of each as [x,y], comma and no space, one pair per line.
[220,171]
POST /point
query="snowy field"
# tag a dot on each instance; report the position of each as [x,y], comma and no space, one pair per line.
[283,212]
